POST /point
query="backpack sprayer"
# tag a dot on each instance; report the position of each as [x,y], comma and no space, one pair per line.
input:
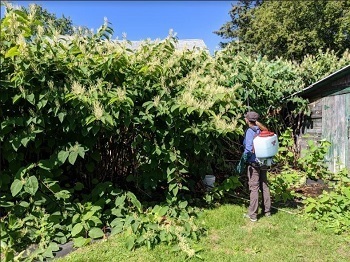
[266,147]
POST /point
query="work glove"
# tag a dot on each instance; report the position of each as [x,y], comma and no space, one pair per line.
[246,156]
[240,168]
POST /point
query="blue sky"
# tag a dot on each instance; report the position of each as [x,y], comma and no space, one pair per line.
[147,19]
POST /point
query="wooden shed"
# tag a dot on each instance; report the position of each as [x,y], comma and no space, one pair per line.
[330,117]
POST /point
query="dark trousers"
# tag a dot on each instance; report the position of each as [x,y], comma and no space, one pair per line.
[257,179]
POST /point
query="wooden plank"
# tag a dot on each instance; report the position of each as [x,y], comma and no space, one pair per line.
[317,124]
[334,127]
[347,133]
[339,149]
[313,132]
[327,130]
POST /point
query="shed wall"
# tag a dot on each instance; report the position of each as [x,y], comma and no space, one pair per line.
[330,119]
[335,126]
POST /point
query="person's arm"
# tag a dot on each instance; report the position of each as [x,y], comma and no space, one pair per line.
[261,126]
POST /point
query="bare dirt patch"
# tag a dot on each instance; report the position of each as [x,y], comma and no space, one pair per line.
[312,190]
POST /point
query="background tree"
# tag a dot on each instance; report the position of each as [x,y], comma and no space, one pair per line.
[289,29]
[63,24]
[240,21]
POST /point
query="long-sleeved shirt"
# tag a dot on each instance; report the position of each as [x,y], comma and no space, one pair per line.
[250,134]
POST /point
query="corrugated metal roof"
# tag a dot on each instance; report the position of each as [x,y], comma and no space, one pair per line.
[181,44]
[190,44]
[315,90]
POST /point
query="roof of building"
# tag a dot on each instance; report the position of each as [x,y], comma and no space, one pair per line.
[322,87]
[180,44]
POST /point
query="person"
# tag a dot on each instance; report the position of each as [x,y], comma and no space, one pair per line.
[257,176]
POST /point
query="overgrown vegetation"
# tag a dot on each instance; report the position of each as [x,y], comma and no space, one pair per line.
[97,138]
[331,207]
[232,238]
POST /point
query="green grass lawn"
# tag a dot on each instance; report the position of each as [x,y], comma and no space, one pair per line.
[281,237]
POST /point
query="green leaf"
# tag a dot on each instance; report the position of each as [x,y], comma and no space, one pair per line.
[172,157]
[173,108]
[109,119]
[135,226]
[96,232]
[309,208]
[134,201]
[77,229]
[141,239]
[190,109]
[290,154]
[24,204]
[16,143]
[6,203]
[130,242]
[13,51]
[50,249]
[163,211]
[15,98]
[89,120]
[72,157]
[175,190]
[120,201]
[144,69]
[78,186]
[88,215]
[61,116]
[116,230]
[156,209]
[16,187]
[81,152]
[31,99]
[117,212]
[117,222]
[346,191]
[95,220]
[46,164]
[170,171]
[62,156]
[63,194]
[31,185]
[183,204]
[25,140]
[80,241]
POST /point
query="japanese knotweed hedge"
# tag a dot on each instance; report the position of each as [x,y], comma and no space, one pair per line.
[86,108]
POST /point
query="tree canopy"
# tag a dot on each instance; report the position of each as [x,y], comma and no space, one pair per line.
[288,29]
[64,25]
